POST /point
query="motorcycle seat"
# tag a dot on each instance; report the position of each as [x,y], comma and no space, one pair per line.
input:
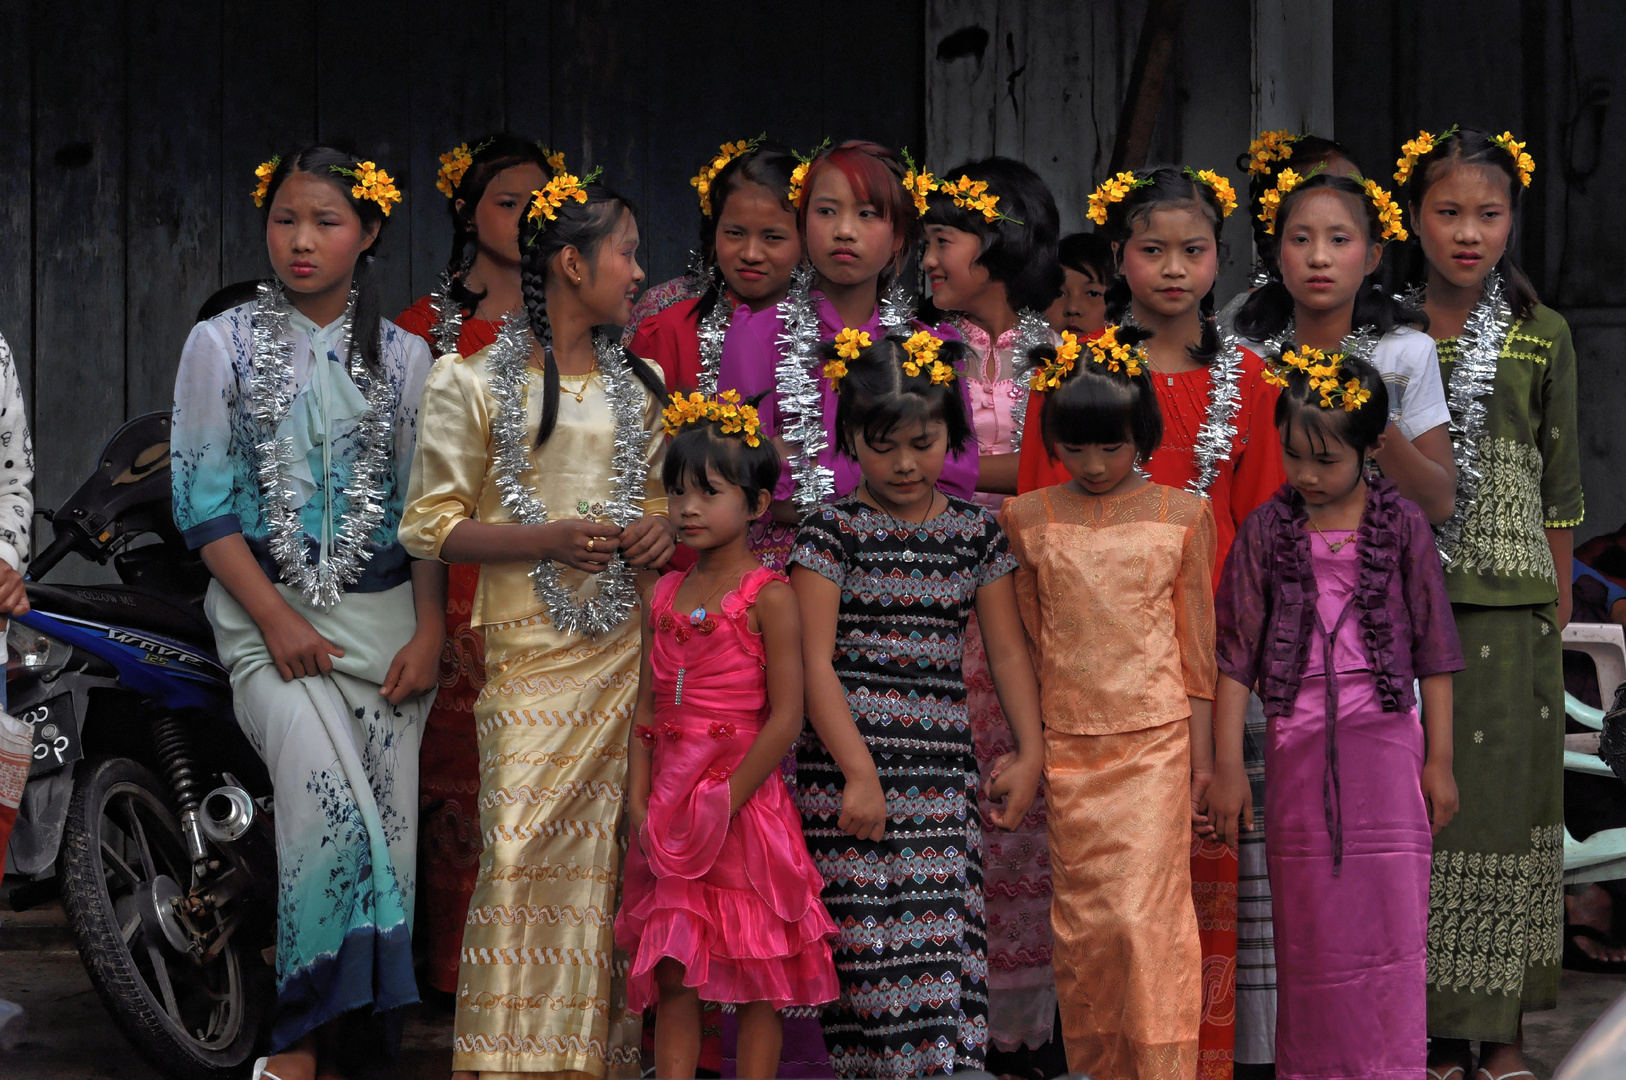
[129,606]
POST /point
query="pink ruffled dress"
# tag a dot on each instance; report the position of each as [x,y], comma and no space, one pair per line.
[735,900]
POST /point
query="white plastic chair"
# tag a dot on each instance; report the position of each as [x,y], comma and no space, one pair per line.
[1601,856]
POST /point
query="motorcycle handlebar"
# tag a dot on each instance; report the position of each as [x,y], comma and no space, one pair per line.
[46,561]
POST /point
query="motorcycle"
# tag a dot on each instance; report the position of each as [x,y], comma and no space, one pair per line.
[145,803]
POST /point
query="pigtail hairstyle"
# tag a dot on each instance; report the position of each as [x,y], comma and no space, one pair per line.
[1468,146]
[1164,187]
[584,226]
[1268,311]
[1019,247]
[1301,153]
[768,165]
[1300,404]
[489,157]
[1090,403]
[875,394]
[323,161]
[876,175]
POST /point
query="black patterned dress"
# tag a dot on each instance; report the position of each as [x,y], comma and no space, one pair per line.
[912,951]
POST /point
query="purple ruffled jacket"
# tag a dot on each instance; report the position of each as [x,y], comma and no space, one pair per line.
[1265,610]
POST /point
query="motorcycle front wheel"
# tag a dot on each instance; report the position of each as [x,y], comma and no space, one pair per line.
[123,860]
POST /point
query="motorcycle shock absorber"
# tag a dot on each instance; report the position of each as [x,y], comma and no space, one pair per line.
[185,783]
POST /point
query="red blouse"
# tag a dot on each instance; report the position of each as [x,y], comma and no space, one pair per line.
[420,319]
[671,338]
[1249,477]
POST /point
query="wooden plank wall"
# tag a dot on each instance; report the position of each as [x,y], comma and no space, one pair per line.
[129,134]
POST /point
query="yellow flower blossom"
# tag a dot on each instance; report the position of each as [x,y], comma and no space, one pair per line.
[1112,190]
[725,410]
[1523,162]
[454,163]
[849,341]
[1269,147]
[918,183]
[371,183]
[545,203]
[1271,201]
[262,173]
[922,350]
[1056,370]
[708,172]
[835,370]
[1224,193]
[1412,149]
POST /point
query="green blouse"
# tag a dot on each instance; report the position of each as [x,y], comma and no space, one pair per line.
[1530,458]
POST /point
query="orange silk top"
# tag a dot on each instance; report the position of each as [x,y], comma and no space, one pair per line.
[1116,598]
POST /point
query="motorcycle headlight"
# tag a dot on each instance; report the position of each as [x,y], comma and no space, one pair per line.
[33,652]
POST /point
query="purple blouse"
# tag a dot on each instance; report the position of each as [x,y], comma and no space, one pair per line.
[1265,610]
[750,354]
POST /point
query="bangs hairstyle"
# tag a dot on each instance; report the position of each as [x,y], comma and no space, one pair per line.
[1170,189]
[876,176]
[1089,254]
[1469,146]
[1303,155]
[1267,312]
[768,166]
[701,449]
[320,161]
[1095,406]
[584,226]
[1022,257]
[491,155]
[1299,406]
[877,396]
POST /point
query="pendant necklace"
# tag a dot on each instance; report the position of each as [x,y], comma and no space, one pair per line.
[579,392]
[899,524]
[1333,548]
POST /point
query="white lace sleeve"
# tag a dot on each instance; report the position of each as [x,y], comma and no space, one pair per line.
[16,466]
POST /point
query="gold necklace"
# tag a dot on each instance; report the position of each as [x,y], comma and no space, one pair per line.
[1332,547]
[698,615]
[580,392]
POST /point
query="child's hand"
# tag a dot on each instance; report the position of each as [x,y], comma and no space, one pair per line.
[1230,803]
[1200,822]
[295,647]
[577,543]
[416,668]
[863,809]
[738,794]
[649,541]
[1016,781]
[1440,792]
[13,592]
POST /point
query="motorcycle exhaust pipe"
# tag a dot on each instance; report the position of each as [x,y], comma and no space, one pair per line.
[227,814]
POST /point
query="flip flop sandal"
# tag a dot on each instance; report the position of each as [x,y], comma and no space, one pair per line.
[259,1072]
[1576,959]
[1435,1074]
[1504,1076]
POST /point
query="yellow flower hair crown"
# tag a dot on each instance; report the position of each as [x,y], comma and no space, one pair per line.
[918,183]
[1338,389]
[454,164]
[922,348]
[1113,190]
[563,187]
[708,172]
[1107,350]
[1523,162]
[1224,193]
[848,344]
[1058,367]
[554,158]
[1269,147]
[371,183]
[972,195]
[263,172]
[724,409]
[798,176]
[1412,149]
[1389,218]
[1271,201]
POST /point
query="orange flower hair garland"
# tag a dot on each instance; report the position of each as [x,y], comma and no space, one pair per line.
[1323,372]
[708,172]
[724,409]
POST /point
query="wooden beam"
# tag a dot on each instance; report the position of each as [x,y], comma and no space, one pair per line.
[1154,57]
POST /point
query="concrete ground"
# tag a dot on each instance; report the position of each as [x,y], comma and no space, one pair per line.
[69,1035]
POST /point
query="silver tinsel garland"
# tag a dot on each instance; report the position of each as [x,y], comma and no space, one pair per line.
[1217,435]
[896,311]
[271,389]
[448,315]
[508,364]
[711,332]
[1473,377]
[801,400]
[1032,331]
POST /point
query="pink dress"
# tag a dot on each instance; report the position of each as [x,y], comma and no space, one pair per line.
[735,900]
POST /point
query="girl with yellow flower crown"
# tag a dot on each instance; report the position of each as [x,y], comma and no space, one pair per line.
[721,897]
[887,781]
[1510,369]
[1333,604]
[487,185]
[859,223]
[540,462]
[993,271]
[1113,580]
[295,423]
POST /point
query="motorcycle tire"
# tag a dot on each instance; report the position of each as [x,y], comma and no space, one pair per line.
[191,1021]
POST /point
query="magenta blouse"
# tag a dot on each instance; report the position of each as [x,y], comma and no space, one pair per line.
[1266,607]
[750,354]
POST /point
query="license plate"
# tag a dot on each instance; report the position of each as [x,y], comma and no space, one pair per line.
[56,734]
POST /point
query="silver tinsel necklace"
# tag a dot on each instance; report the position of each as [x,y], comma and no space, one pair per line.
[711,332]
[509,366]
[1032,331]
[1216,436]
[1473,377]
[448,315]
[272,391]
